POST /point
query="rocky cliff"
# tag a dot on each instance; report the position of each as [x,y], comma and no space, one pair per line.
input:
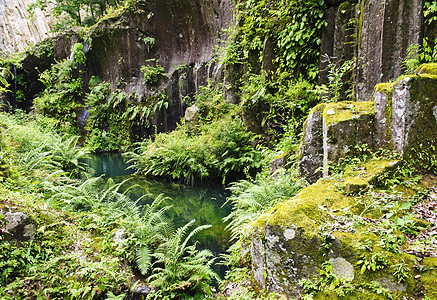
[180,36]
[374,33]
[17,29]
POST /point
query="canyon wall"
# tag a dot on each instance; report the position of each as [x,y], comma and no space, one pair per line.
[17,29]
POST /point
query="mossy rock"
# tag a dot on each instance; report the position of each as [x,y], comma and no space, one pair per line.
[279,162]
[335,113]
[430,69]
[289,243]
[347,125]
[358,179]
[385,87]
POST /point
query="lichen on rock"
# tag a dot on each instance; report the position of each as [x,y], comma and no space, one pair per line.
[327,223]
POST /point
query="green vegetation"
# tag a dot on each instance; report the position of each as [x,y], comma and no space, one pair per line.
[152,74]
[74,12]
[75,252]
[222,149]
[297,38]
[106,126]
[62,97]
[375,211]
[3,79]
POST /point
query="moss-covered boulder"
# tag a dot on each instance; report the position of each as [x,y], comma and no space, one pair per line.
[331,244]
[346,125]
[331,131]
[406,113]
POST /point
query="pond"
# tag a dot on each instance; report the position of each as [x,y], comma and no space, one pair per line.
[204,203]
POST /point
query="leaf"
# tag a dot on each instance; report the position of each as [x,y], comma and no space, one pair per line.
[143,257]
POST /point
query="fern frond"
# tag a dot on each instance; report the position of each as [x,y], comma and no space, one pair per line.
[143,258]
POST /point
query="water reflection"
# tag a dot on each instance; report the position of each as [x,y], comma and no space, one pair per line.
[202,203]
[108,164]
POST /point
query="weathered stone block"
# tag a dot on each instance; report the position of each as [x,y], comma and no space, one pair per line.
[286,247]
[346,125]
[311,149]
[192,116]
[331,131]
[407,113]
[19,226]
[382,97]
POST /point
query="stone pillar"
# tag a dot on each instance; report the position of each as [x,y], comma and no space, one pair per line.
[385,30]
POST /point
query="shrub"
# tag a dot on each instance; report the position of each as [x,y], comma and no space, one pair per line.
[222,149]
[152,74]
[62,97]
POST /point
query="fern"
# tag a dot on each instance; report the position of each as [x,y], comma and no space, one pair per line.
[143,259]
[180,267]
[251,199]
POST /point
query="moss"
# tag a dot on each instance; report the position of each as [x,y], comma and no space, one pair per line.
[428,277]
[355,185]
[303,210]
[343,10]
[318,108]
[360,22]
[282,155]
[350,250]
[347,110]
[427,69]
[421,135]
[385,87]
[371,171]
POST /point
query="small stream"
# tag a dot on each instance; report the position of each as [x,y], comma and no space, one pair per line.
[203,203]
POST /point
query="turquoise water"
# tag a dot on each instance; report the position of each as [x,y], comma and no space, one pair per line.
[202,203]
[108,164]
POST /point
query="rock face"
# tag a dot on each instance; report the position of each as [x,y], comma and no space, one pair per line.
[311,149]
[178,35]
[338,36]
[280,258]
[17,30]
[386,29]
[383,31]
[19,226]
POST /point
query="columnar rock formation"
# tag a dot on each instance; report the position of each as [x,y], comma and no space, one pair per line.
[17,29]
[377,37]
[180,35]
[402,117]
